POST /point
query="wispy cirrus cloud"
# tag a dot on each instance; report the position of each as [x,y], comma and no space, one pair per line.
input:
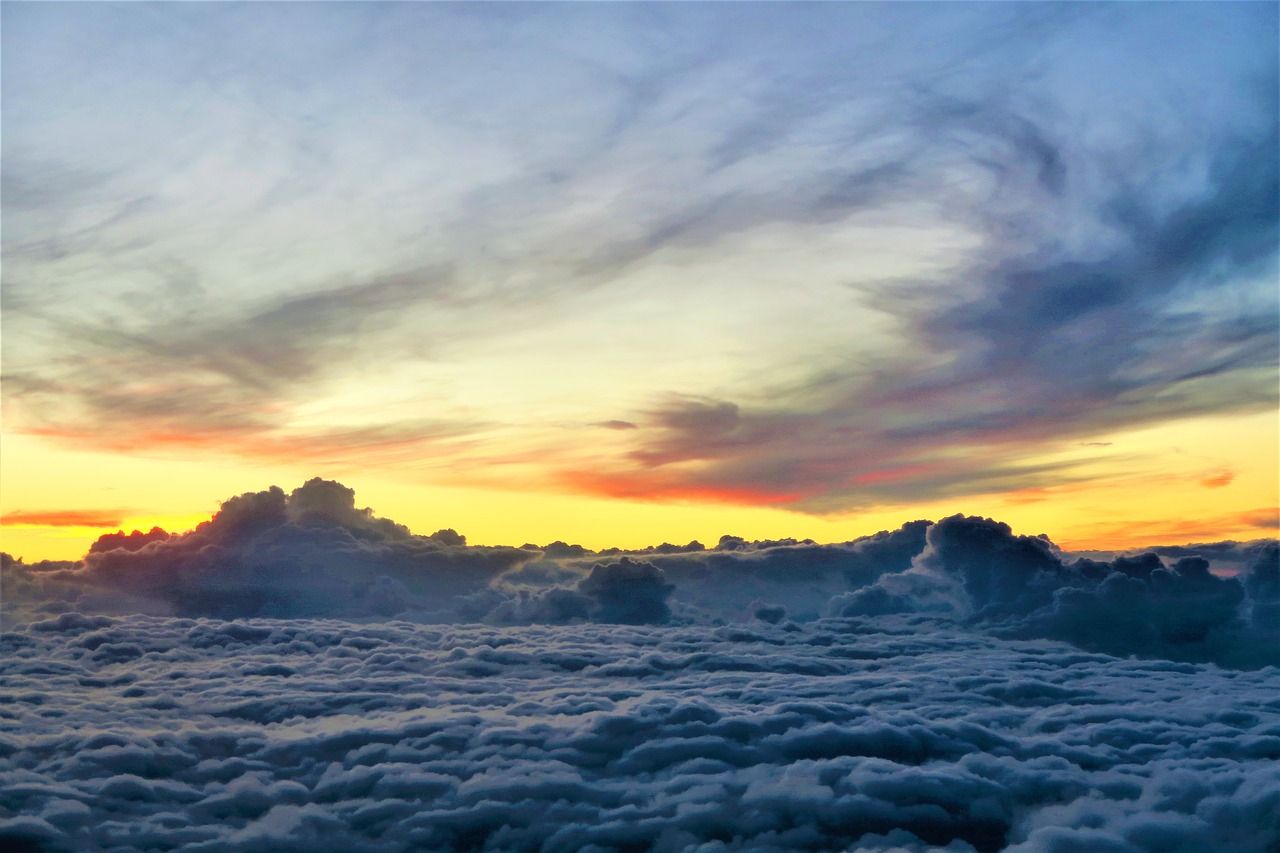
[224,382]
[1031,342]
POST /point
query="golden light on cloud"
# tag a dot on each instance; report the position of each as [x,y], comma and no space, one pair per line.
[1240,526]
[1218,479]
[1147,484]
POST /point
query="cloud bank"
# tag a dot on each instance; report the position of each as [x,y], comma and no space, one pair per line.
[312,553]
[976,570]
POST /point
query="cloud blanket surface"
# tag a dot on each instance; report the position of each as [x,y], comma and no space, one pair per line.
[157,733]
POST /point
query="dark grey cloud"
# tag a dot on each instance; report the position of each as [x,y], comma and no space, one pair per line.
[1043,311]
[1052,344]
[625,592]
[978,571]
[135,541]
[295,337]
[732,582]
[1227,557]
[628,592]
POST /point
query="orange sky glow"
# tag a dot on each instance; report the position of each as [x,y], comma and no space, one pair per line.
[1201,480]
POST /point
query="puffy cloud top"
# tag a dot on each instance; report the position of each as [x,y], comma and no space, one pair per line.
[313,552]
[1023,586]
[629,592]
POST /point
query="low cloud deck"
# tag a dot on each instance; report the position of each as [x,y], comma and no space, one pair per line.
[323,735]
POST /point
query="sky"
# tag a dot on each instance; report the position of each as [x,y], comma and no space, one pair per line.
[628,273]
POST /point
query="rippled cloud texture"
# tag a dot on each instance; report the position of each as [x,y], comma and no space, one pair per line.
[321,735]
[297,673]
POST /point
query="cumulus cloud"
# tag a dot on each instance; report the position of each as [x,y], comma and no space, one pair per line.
[311,552]
[1228,557]
[977,570]
[134,541]
[729,582]
[628,592]
[1261,581]
[314,553]
[968,689]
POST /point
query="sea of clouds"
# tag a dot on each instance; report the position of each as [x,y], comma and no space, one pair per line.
[299,674]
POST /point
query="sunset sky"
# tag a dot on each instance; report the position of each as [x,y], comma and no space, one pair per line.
[626,273]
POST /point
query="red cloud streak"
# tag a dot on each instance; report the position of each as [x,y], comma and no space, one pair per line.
[66,518]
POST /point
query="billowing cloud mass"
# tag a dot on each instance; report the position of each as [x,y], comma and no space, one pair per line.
[298,673]
[307,553]
[312,553]
[823,257]
[979,572]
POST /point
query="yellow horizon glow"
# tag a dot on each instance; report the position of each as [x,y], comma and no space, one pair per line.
[1202,479]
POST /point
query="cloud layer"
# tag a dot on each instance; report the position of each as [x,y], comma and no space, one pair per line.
[270,735]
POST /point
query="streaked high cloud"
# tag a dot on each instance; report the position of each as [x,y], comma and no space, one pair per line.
[1033,338]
